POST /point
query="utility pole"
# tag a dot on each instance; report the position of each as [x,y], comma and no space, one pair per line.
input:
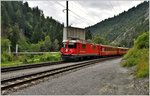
[67,18]
[67,13]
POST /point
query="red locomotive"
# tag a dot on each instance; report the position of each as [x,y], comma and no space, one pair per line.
[78,50]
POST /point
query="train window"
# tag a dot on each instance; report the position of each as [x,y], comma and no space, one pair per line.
[107,48]
[72,45]
[83,46]
[103,49]
[75,45]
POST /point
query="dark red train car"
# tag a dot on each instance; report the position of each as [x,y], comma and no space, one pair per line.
[122,51]
[106,50]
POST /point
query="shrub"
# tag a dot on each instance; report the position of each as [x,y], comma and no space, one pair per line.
[6,57]
[142,41]
[25,61]
[131,57]
[5,44]
[143,64]
[139,56]
[50,57]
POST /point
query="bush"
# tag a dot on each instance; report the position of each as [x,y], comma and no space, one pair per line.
[131,57]
[23,59]
[50,57]
[142,41]
[6,57]
[143,64]
[139,56]
[5,44]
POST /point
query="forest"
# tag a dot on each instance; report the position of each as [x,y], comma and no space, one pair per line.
[123,29]
[29,28]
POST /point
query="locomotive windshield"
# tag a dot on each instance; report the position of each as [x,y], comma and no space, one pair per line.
[71,45]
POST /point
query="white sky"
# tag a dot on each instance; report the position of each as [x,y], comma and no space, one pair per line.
[83,13]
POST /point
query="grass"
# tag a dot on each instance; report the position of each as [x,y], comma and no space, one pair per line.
[30,59]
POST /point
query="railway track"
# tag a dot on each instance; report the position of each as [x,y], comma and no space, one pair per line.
[8,69]
[15,82]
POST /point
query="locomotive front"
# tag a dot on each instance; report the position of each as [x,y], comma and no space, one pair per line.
[69,50]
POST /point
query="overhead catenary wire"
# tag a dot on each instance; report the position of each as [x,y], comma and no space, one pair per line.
[112,7]
[72,11]
[56,8]
[83,11]
[77,16]
[119,5]
[86,12]
[51,6]
[69,10]
[79,7]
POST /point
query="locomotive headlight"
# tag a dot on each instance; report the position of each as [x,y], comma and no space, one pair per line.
[66,50]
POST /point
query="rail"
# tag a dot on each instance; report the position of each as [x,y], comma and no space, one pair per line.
[8,84]
[8,69]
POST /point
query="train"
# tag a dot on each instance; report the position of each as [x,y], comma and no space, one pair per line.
[80,49]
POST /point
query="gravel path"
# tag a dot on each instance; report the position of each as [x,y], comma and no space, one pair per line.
[105,78]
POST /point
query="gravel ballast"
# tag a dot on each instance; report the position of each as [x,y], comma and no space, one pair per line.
[104,78]
[31,70]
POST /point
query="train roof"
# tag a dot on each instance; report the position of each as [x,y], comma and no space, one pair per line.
[84,42]
[123,48]
[114,47]
[76,41]
[108,46]
[79,41]
[73,41]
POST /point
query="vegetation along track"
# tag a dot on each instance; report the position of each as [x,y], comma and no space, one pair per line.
[7,69]
[9,84]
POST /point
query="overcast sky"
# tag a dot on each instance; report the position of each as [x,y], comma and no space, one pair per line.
[83,13]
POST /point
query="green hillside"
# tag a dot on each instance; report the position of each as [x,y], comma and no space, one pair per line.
[121,30]
[29,28]
[139,55]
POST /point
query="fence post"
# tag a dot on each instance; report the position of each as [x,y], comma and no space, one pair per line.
[9,51]
[16,49]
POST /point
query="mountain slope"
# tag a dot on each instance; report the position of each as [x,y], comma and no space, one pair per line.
[121,30]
